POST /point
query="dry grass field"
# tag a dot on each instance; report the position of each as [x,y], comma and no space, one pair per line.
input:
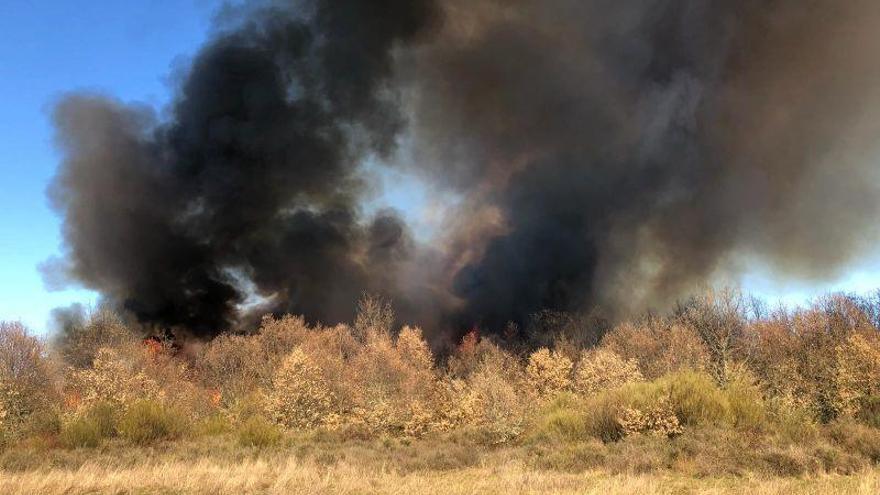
[219,465]
[289,476]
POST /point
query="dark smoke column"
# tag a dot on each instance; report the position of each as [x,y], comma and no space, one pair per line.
[254,176]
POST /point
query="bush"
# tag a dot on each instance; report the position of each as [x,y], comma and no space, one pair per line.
[665,406]
[548,372]
[601,416]
[804,367]
[147,422]
[495,405]
[374,316]
[90,427]
[12,407]
[391,386]
[216,424]
[113,378]
[103,414]
[279,336]
[821,359]
[234,365]
[258,432]
[602,369]
[659,420]
[468,355]
[563,419]
[475,353]
[413,349]
[745,401]
[245,407]
[718,317]
[44,422]
[82,432]
[696,399]
[26,385]
[791,419]
[299,397]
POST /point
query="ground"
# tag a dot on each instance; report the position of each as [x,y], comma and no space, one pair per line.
[219,466]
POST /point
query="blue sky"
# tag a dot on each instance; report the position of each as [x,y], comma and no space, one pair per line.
[124,48]
[127,49]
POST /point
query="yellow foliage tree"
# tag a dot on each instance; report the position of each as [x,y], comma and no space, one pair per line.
[414,350]
[548,372]
[113,380]
[858,372]
[299,396]
[602,369]
[494,405]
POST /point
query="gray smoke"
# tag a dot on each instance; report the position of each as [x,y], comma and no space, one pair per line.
[615,153]
[636,150]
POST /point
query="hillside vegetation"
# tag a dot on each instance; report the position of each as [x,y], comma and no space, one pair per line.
[721,390]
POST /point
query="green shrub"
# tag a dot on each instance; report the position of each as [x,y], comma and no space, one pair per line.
[90,428]
[791,419]
[258,432]
[567,424]
[146,422]
[746,403]
[663,406]
[563,419]
[82,432]
[104,415]
[696,400]
[216,424]
[606,413]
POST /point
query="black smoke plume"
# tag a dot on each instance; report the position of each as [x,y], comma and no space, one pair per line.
[607,152]
[254,176]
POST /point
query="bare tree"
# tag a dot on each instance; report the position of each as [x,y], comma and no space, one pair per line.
[719,319]
[375,314]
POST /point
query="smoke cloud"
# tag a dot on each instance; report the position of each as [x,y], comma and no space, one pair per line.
[254,176]
[605,152]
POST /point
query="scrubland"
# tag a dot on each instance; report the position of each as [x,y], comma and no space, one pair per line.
[721,395]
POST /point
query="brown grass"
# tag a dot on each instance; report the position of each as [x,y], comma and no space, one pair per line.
[289,476]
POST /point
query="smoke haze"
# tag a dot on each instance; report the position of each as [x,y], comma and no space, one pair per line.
[606,152]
